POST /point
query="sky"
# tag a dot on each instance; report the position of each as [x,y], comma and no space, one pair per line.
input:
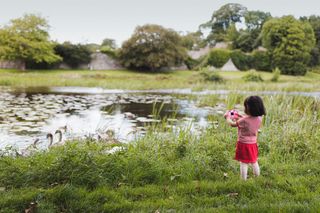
[90,21]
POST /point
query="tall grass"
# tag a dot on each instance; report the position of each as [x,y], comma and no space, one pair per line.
[183,172]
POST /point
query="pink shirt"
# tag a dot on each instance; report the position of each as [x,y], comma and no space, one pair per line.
[248,127]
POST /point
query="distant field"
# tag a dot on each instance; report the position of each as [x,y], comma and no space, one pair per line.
[124,79]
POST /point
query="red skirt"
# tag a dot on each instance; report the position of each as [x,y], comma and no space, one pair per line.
[247,153]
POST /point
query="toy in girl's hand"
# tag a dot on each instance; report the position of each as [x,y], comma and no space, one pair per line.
[232,114]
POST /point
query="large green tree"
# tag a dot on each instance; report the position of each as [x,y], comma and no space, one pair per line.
[289,42]
[27,39]
[222,19]
[254,19]
[249,38]
[246,41]
[152,47]
[193,40]
[109,42]
[315,52]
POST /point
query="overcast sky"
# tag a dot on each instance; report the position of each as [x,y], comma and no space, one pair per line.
[87,21]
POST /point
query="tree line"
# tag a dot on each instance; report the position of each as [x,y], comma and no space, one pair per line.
[291,44]
[27,39]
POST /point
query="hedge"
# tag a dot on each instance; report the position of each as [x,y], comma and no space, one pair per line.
[218,57]
[261,60]
[241,60]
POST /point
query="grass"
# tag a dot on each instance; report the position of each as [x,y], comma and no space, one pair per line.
[123,79]
[167,172]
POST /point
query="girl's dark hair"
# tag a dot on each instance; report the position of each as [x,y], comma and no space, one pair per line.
[253,105]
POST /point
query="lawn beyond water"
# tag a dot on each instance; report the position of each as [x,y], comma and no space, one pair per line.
[123,79]
[167,172]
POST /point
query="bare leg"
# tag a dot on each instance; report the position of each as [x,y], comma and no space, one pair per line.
[243,170]
[256,169]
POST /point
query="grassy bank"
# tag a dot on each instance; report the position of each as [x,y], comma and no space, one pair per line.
[134,80]
[177,173]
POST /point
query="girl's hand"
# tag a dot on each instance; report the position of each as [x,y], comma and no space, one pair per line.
[226,115]
[231,122]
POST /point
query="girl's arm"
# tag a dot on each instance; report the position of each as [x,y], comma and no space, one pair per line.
[231,122]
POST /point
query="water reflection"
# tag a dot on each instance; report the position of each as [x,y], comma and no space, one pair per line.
[29,115]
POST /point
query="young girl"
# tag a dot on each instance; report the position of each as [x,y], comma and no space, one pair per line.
[248,126]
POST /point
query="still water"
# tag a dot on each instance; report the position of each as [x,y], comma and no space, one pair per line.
[30,114]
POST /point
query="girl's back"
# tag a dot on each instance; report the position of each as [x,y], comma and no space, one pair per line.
[248,127]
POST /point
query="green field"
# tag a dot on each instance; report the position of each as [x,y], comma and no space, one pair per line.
[178,173]
[168,80]
[170,173]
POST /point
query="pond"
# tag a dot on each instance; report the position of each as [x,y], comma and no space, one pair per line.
[30,114]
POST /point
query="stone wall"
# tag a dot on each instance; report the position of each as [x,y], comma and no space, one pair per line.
[100,61]
[195,54]
[17,64]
